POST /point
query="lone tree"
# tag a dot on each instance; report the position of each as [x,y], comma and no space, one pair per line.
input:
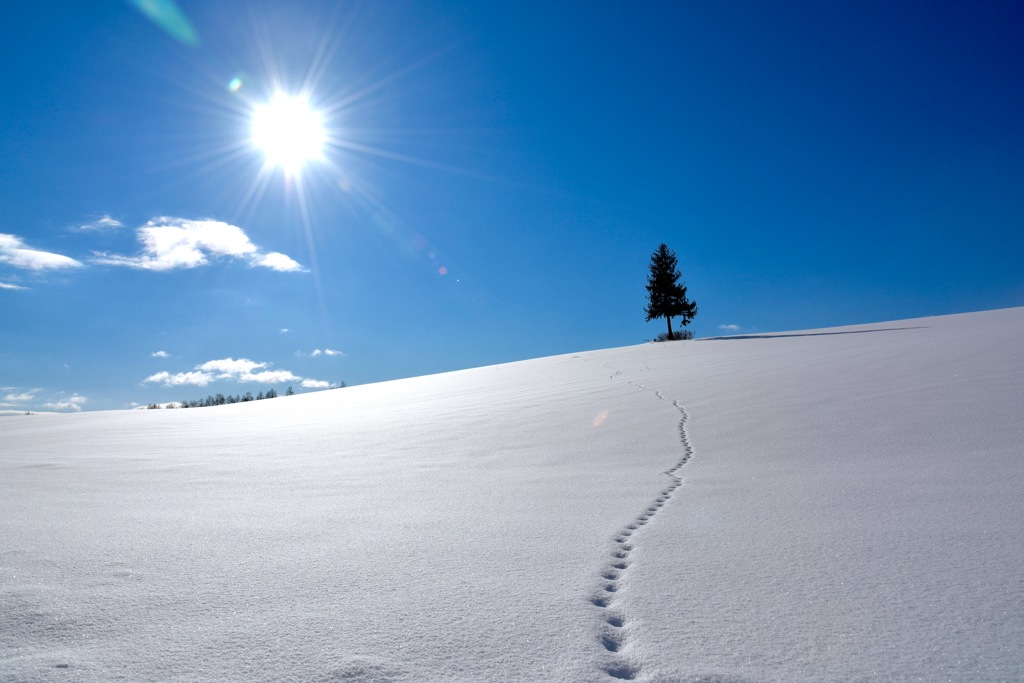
[666,297]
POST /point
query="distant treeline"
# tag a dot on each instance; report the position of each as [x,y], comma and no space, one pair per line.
[221,399]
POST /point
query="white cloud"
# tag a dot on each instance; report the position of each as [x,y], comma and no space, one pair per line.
[226,369]
[14,252]
[230,366]
[170,243]
[74,403]
[23,399]
[730,328]
[315,384]
[326,352]
[6,285]
[284,330]
[102,223]
[241,370]
[63,405]
[199,379]
[270,377]
[160,354]
[278,261]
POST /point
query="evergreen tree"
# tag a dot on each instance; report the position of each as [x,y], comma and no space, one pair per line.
[290,392]
[666,298]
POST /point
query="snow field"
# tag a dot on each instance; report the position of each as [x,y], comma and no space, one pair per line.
[838,505]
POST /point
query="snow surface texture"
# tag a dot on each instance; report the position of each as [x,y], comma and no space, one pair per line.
[838,505]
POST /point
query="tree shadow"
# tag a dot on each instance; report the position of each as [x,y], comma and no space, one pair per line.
[808,334]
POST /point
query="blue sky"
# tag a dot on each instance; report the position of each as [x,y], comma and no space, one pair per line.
[494,180]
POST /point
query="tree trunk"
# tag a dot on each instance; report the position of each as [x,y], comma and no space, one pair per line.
[669,319]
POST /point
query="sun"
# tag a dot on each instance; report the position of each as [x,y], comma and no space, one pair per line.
[289,132]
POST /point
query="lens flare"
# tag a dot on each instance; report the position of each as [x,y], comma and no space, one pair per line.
[169,17]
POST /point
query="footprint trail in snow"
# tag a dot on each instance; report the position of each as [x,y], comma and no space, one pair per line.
[614,632]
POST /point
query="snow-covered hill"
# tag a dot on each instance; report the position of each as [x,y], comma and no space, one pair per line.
[842,504]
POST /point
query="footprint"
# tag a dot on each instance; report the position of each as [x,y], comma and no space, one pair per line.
[622,671]
[612,635]
[612,641]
